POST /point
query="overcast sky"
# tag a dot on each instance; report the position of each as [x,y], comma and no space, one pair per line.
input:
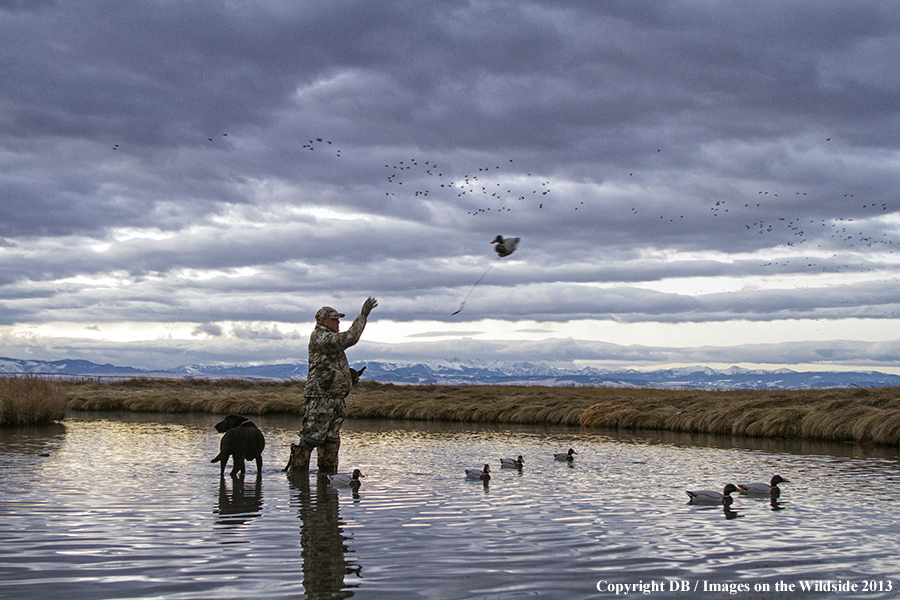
[692,182]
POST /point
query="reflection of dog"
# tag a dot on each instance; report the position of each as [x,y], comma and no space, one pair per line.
[243,441]
[240,504]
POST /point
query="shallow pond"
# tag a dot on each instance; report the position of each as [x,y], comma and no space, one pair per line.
[128,506]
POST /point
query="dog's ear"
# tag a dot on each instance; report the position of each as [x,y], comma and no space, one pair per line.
[354,375]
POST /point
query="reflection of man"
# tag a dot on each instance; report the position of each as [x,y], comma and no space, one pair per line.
[327,385]
[325,549]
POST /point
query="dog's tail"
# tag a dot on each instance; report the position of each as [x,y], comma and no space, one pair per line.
[217,458]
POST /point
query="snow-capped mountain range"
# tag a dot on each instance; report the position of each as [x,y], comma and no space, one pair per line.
[476,372]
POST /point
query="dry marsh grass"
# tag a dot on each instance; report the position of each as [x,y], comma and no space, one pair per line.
[221,396]
[870,415]
[29,401]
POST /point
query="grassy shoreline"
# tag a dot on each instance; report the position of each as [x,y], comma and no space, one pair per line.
[864,415]
[30,401]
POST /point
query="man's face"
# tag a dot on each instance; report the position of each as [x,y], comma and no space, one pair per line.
[332,324]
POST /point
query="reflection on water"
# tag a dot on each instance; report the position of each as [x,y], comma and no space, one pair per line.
[326,556]
[128,506]
[240,503]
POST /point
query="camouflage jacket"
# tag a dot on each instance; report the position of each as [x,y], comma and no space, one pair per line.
[329,371]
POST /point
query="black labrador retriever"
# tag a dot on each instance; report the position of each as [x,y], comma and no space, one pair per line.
[243,441]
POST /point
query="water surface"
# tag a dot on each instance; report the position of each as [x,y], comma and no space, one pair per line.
[128,506]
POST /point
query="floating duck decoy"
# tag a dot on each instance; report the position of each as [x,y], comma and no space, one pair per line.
[512,463]
[764,489]
[346,479]
[483,474]
[567,456]
[505,246]
[712,497]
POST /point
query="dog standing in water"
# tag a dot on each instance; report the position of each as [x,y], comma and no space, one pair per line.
[242,441]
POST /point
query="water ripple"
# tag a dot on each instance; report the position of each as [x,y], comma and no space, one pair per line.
[129,507]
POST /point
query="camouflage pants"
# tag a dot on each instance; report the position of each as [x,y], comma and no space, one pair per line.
[323,420]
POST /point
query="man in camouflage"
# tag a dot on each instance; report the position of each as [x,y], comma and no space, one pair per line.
[327,385]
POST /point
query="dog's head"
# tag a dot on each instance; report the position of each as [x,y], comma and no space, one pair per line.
[229,422]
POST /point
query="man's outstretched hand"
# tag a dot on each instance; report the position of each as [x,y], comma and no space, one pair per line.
[368,305]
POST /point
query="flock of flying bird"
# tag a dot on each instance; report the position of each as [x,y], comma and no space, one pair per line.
[801,241]
[805,242]
[489,183]
[501,191]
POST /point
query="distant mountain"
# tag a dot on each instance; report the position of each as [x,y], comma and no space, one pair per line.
[63,367]
[525,373]
[476,372]
[276,371]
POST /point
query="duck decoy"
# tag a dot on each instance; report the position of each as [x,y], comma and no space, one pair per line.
[505,246]
[568,456]
[482,474]
[512,463]
[764,489]
[713,497]
[346,479]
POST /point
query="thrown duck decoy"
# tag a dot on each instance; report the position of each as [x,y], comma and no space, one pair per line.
[567,456]
[764,489]
[512,463]
[346,479]
[482,474]
[713,497]
[505,246]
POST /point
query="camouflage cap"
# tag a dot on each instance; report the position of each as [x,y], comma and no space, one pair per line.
[326,312]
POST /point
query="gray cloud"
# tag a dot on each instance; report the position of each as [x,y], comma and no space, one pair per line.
[210,329]
[205,163]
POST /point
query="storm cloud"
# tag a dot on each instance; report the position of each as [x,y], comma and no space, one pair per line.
[211,174]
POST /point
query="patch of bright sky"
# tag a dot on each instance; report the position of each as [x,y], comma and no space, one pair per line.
[98,282]
[133,331]
[671,335]
[111,332]
[718,285]
[124,234]
[205,274]
[674,335]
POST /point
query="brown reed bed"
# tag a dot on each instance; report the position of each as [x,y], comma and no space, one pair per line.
[30,401]
[220,396]
[870,415]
